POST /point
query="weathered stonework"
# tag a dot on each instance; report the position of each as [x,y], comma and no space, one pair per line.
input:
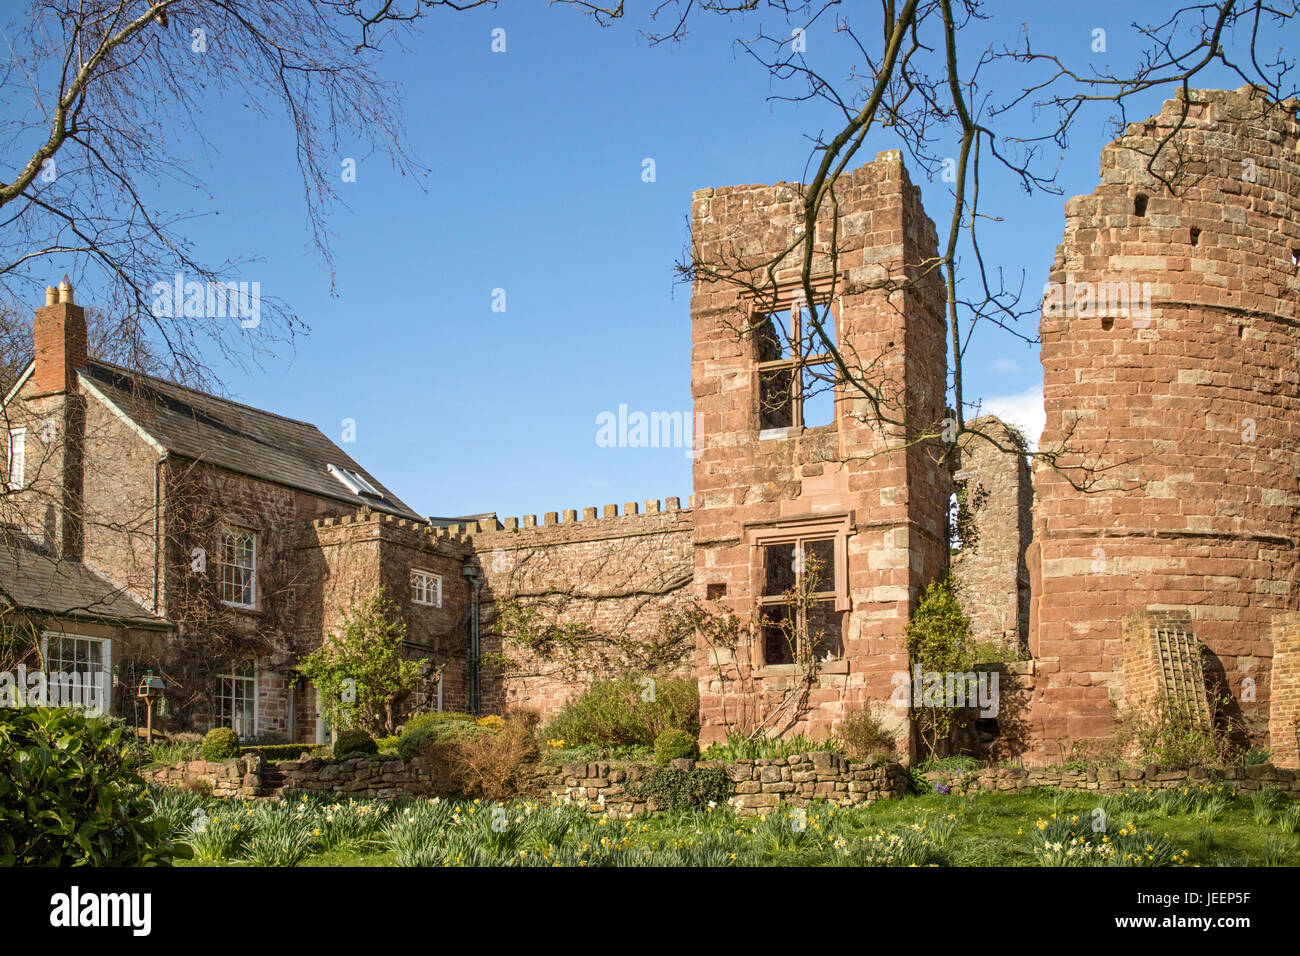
[990,569]
[1109,780]
[1191,409]
[1284,703]
[1169,347]
[617,575]
[888,497]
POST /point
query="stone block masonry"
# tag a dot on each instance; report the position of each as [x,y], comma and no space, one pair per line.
[1181,420]
[606,579]
[598,588]
[868,480]
[994,509]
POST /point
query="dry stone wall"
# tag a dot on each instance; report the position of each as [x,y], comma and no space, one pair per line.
[757,785]
[1109,780]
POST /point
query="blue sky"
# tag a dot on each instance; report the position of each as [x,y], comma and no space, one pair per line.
[535,187]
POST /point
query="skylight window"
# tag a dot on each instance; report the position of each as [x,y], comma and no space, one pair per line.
[355,482]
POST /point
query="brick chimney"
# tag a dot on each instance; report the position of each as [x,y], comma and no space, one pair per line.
[55,439]
[60,339]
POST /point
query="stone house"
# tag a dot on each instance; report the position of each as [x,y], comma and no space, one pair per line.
[234,536]
[154,527]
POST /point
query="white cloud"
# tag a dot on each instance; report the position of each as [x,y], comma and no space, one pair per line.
[1024,409]
[1004,366]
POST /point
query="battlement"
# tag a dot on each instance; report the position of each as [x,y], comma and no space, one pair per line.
[609,518]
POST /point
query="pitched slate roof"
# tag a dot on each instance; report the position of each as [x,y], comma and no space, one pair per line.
[32,578]
[235,437]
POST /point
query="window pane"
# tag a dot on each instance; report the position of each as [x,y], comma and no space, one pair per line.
[236,699]
[826,630]
[819,562]
[818,395]
[238,564]
[778,569]
[778,634]
[775,401]
[75,671]
[772,336]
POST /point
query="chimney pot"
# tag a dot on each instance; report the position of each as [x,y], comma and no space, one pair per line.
[59,335]
[51,295]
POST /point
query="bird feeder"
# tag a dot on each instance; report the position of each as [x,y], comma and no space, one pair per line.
[151,689]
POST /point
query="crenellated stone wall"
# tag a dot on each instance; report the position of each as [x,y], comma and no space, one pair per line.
[599,587]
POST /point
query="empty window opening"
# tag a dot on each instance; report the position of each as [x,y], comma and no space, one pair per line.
[1140,204]
[1107,323]
[1295,257]
[796,370]
[800,616]
[715,592]
[1196,236]
[818,395]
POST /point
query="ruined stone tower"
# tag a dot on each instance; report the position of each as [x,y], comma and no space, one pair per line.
[796,470]
[1170,338]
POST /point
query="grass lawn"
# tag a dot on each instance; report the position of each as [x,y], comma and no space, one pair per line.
[1192,826]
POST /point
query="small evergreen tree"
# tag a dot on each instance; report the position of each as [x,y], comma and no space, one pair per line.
[359,673]
[938,640]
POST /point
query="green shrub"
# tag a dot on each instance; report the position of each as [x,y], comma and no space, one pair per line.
[673,789]
[417,740]
[628,711]
[284,751]
[221,743]
[741,746]
[354,743]
[68,796]
[672,744]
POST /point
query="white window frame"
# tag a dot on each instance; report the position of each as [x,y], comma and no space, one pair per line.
[235,679]
[421,581]
[16,479]
[231,530]
[105,653]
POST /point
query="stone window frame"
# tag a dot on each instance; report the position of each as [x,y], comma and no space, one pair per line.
[105,665]
[429,576]
[227,715]
[17,455]
[790,296]
[836,527]
[230,529]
